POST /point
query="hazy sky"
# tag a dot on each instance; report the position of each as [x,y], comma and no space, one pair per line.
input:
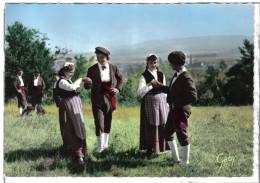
[82,27]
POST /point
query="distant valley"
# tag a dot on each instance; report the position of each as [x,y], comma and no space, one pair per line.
[207,49]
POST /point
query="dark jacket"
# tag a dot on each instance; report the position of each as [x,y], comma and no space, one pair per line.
[97,98]
[182,93]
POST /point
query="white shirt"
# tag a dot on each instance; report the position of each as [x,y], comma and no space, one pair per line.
[65,85]
[35,81]
[178,73]
[143,88]
[21,80]
[104,74]
[55,83]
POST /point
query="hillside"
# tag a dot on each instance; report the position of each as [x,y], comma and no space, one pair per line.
[209,48]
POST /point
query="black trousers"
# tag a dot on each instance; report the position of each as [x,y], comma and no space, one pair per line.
[171,128]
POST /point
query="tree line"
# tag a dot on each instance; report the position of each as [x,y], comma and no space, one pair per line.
[27,48]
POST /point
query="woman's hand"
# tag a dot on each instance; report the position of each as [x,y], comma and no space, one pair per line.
[155,83]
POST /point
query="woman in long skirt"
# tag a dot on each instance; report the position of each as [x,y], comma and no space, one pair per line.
[71,114]
[154,108]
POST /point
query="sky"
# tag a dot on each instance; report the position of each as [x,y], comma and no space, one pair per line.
[82,27]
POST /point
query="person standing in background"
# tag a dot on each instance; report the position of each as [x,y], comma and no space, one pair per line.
[37,87]
[20,91]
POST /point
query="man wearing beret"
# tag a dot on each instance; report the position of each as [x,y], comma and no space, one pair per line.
[181,94]
[106,83]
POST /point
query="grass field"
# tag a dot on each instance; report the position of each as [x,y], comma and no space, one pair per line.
[221,145]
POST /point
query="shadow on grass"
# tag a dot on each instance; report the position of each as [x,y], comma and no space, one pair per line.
[32,154]
[96,164]
[106,160]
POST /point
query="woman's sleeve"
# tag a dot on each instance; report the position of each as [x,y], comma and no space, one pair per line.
[65,85]
[164,83]
[143,88]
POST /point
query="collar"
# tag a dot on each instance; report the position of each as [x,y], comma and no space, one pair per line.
[153,72]
[181,71]
[64,77]
[100,66]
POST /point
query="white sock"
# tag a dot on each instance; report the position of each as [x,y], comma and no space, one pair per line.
[20,110]
[102,139]
[186,154]
[106,138]
[174,150]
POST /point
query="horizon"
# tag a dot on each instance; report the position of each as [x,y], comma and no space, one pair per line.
[180,38]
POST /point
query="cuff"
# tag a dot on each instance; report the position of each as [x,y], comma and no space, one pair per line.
[150,87]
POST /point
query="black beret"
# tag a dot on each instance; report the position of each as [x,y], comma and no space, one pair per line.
[176,57]
[103,50]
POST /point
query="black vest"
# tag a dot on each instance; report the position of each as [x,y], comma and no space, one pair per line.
[149,77]
[64,93]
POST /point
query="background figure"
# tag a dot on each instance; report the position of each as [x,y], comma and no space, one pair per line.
[154,108]
[20,90]
[106,83]
[181,94]
[71,114]
[37,86]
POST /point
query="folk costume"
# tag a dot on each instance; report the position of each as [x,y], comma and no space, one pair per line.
[37,86]
[181,94]
[104,78]
[153,113]
[71,115]
[20,92]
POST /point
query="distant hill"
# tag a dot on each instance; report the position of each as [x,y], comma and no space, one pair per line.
[205,48]
[208,48]
[200,51]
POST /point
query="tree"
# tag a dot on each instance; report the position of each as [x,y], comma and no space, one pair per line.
[127,95]
[26,48]
[239,86]
[82,65]
[210,90]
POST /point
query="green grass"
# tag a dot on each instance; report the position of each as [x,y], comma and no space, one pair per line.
[32,145]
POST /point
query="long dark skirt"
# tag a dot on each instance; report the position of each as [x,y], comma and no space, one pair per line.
[154,111]
[72,127]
